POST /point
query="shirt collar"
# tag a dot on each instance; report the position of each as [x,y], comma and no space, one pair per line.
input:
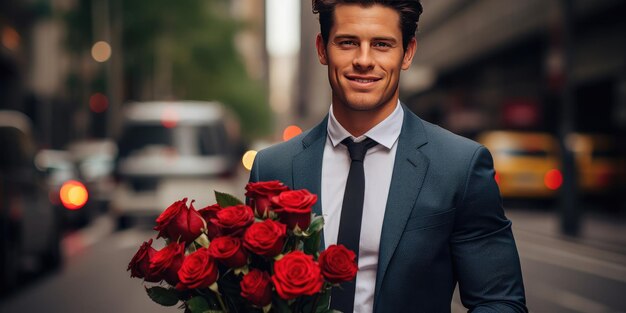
[385,133]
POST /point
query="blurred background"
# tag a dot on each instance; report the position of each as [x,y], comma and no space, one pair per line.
[111,110]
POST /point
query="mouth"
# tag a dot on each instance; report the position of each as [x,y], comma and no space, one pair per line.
[362,81]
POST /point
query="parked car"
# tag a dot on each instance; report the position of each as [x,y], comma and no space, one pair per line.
[171,150]
[29,225]
[86,166]
[600,168]
[95,161]
[66,190]
[527,164]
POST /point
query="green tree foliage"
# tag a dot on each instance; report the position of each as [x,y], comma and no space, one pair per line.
[197,40]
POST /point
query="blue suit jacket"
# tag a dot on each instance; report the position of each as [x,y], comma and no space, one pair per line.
[443,224]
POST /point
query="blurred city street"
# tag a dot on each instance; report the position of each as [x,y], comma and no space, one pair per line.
[93,277]
[110,110]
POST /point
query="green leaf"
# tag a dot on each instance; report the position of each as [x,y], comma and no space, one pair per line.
[215,288]
[203,240]
[323,303]
[198,305]
[299,232]
[312,245]
[226,200]
[242,270]
[163,296]
[278,257]
[306,303]
[316,224]
[280,305]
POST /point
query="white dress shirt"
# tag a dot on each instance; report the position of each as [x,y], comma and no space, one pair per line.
[378,167]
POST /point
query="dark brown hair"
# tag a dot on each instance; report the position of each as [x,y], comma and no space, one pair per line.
[409,10]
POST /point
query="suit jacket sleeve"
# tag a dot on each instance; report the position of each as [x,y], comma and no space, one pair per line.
[484,254]
[254,171]
[254,174]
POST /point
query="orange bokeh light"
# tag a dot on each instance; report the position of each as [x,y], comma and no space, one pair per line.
[73,195]
[291,131]
[98,102]
[248,159]
[101,51]
[10,38]
[553,179]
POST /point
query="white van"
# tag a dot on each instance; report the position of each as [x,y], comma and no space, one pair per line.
[172,150]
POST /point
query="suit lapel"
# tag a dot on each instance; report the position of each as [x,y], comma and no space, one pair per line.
[408,175]
[307,165]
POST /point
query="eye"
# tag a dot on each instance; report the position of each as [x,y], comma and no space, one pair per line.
[347,43]
[382,44]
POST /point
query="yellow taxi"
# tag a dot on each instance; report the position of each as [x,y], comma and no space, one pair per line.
[527,164]
[599,166]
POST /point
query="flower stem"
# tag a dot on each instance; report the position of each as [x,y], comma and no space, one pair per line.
[221,301]
[315,300]
[325,288]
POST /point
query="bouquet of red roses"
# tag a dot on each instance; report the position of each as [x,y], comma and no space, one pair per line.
[232,257]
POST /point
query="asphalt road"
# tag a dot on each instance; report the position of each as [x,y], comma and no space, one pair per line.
[561,274]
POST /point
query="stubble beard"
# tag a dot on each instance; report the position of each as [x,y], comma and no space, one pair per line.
[364,102]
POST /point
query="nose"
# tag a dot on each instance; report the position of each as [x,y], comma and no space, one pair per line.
[363,60]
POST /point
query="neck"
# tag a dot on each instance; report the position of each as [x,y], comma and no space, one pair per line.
[358,122]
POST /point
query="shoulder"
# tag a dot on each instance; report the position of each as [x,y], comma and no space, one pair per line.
[442,138]
[270,163]
[283,149]
[288,149]
[444,143]
[275,162]
[450,156]
[459,163]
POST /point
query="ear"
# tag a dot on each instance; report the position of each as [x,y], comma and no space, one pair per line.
[409,54]
[321,49]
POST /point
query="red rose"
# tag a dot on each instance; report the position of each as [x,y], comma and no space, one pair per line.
[294,207]
[234,219]
[166,262]
[338,264]
[256,287]
[265,238]
[180,222]
[229,251]
[296,274]
[260,193]
[207,214]
[198,271]
[139,266]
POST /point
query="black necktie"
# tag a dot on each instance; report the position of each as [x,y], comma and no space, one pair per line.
[351,213]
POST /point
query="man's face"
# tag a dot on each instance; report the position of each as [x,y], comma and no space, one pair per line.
[364,56]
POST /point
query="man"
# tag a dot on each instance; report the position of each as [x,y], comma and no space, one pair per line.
[431,210]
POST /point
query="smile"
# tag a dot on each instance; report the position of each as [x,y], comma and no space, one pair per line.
[361,82]
[364,80]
